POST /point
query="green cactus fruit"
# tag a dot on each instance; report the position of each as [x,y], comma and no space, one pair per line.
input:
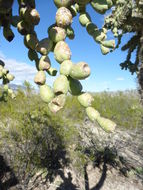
[85,99]
[106,124]
[2,63]
[80,71]
[32,54]
[31,41]
[63,3]
[62,52]
[15,20]
[44,63]
[109,44]
[5,6]
[1,74]
[57,103]
[46,93]
[65,67]
[70,32]
[61,85]
[91,28]
[10,77]
[44,46]
[23,28]
[52,71]
[100,6]
[84,19]
[82,2]
[63,17]
[5,87]
[73,10]
[104,49]
[75,86]
[99,36]
[8,34]
[92,113]
[5,71]
[40,78]
[109,3]
[57,34]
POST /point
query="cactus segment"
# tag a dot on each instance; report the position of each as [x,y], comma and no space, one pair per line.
[106,124]
[91,28]
[99,36]
[57,34]
[32,54]
[92,113]
[46,93]
[63,3]
[80,71]
[10,77]
[70,32]
[109,44]
[31,41]
[63,17]
[52,71]
[104,49]
[44,46]
[65,67]
[75,86]
[99,6]
[84,19]
[61,85]
[40,78]
[44,63]
[85,99]
[62,52]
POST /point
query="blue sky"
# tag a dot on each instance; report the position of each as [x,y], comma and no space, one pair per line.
[105,70]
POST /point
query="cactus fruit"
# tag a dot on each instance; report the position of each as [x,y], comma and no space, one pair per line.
[57,103]
[73,10]
[106,124]
[46,93]
[63,17]
[92,113]
[57,34]
[61,85]
[104,49]
[91,28]
[44,46]
[40,78]
[8,34]
[52,71]
[109,43]
[44,63]
[99,36]
[82,2]
[31,41]
[10,77]
[63,3]
[80,71]
[65,67]
[84,19]
[75,86]
[62,52]
[100,6]
[23,28]
[32,54]
[85,99]
[70,32]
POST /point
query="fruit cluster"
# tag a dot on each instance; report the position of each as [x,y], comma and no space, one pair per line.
[70,73]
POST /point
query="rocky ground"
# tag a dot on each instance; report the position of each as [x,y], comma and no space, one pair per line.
[122,170]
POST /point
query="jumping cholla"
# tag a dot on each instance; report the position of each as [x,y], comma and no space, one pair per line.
[125,16]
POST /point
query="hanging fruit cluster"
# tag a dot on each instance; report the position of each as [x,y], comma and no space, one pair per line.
[6,78]
[70,73]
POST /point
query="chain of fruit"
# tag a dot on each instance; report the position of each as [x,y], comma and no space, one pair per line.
[70,73]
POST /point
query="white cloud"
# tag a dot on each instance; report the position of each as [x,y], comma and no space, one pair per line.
[120,79]
[21,70]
